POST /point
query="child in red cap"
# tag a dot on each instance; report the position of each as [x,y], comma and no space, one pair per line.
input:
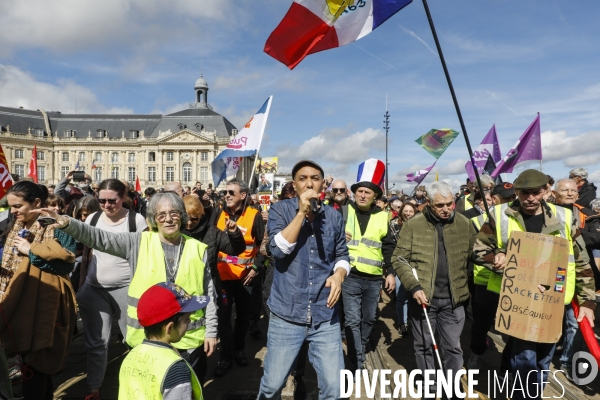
[154,369]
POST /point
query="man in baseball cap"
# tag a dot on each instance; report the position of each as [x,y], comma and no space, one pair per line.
[530,213]
[154,368]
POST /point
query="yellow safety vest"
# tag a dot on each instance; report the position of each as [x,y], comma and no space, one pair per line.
[505,225]
[237,267]
[143,373]
[365,251]
[151,270]
[481,274]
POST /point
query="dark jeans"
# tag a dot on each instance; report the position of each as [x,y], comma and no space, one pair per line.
[199,362]
[484,312]
[361,297]
[234,339]
[530,356]
[38,387]
[266,288]
[448,323]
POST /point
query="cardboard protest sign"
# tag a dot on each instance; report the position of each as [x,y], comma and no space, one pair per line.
[265,201]
[525,312]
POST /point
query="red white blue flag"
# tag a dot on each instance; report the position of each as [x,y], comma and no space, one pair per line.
[311,26]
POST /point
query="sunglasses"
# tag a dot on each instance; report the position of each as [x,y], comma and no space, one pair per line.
[162,217]
[230,192]
[110,201]
[336,190]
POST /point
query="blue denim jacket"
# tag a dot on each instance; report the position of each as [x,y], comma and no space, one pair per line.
[298,293]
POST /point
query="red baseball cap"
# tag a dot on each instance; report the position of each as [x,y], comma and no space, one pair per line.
[164,300]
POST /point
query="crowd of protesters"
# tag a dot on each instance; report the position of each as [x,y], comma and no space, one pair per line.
[169,265]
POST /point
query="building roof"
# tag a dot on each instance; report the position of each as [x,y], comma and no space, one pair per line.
[194,118]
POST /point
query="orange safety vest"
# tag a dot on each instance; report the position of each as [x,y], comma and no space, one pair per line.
[236,267]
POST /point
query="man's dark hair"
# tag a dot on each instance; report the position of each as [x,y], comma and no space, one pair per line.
[157,329]
[150,192]
[550,180]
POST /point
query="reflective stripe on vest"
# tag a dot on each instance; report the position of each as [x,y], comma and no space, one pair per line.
[365,251]
[151,270]
[505,225]
[231,267]
[481,274]
[143,372]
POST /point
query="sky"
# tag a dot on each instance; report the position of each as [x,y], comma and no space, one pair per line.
[508,59]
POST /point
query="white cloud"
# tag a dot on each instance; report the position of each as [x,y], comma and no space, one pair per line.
[71,25]
[574,151]
[21,89]
[337,146]
[235,82]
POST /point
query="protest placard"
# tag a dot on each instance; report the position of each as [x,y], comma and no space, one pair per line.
[524,311]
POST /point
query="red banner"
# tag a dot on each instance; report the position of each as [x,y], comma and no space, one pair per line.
[138,187]
[5,178]
[32,172]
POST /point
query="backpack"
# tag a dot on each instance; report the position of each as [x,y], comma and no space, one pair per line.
[130,217]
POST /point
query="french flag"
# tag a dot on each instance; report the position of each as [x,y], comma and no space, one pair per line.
[311,26]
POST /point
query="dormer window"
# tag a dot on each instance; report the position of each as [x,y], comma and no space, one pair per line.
[199,127]
[181,126]
[134,134]
[39,132]
[67,133]
[100,133]
[234,132]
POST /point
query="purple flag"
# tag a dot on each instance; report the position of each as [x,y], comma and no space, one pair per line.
[527,148]
[419,175]
[489,147]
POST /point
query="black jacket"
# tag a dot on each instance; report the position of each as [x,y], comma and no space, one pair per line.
[217,240]
[587,193]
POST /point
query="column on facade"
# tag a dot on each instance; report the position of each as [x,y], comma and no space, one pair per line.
[160,173]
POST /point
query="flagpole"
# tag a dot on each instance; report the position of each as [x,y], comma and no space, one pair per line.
[454,99]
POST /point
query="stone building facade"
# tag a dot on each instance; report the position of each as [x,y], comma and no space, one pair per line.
[155,148]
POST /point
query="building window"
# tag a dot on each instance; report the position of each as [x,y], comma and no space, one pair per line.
[131,174]
[187,172]
[41,155]
[63,171]
[98,156]
[100,133]
[19,153]
[65,156]
[199,126]
[134,134]
[170,174]
[39,132]
[169,156]
[98,174]
[131,157]
[152,174]
[204,156]
[151,156]
[41,172]
[67,133]
[203,174]
[114,174]
[181,126]
[234,132]
[20,170]
[114,157]
[81,156]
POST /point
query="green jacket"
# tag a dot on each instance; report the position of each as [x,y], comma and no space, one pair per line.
[418,243]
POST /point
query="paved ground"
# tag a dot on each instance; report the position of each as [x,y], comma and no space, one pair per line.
[242,383]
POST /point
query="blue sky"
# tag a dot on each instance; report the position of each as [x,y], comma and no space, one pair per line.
[508,60]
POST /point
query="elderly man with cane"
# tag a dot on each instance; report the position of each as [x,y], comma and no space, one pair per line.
[437,244]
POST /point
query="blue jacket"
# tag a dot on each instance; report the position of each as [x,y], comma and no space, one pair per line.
[298,293]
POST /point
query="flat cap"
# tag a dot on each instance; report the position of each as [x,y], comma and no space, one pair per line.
[531,179]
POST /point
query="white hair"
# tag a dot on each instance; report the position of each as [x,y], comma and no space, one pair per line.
[581,172]
[442,188]
[564,180]
[486,181]
[595,205]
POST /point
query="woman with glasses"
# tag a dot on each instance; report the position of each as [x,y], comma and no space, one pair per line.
[104,278]
[159,255]
[36,297]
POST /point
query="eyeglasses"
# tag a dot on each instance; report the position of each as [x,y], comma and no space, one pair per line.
[338,190]
[110,201]
[230,192]
[162,217]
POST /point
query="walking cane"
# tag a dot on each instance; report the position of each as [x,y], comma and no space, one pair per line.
[435,347]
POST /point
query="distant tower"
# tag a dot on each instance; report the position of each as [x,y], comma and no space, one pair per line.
[201,88]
